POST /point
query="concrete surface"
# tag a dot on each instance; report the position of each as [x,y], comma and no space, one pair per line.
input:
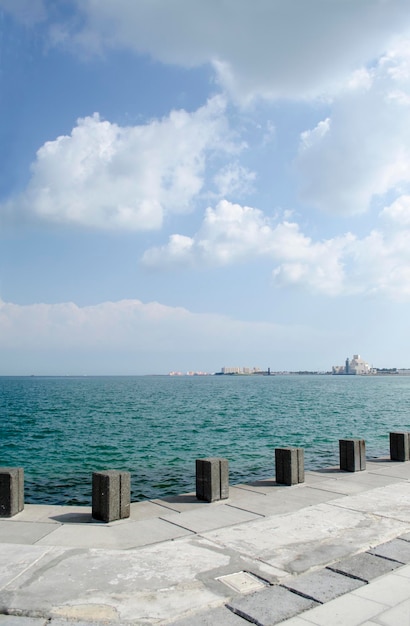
[334,550]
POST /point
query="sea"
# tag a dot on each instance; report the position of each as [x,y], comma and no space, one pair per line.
[61,429]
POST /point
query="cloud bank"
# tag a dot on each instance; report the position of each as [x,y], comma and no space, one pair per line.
[275,49]
[132,337]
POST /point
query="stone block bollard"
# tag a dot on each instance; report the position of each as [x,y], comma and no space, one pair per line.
[352,454]
[289,466]
[11,491]
[111,495]
[212,479]
[400,446]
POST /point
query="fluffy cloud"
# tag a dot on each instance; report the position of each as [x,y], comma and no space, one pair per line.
[231,233]
[107,176]
[361,152]
[133,337]
[275,49]
[234,179]
[343,265]
[399,211]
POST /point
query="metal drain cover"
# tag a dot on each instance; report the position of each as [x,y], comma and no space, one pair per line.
[243,582]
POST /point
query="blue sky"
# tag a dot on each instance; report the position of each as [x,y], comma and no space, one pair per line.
[186,185]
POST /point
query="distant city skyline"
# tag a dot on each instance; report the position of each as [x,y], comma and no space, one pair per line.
[185,184]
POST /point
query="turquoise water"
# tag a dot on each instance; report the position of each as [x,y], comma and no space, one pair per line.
[62,429]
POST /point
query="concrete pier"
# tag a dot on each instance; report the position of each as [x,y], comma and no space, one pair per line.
[11,491]
[289,466]
[111,494]
[212,479]
[332,550]
[352,455]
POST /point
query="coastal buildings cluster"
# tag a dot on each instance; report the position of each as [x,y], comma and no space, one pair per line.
[356,366]
[189,374]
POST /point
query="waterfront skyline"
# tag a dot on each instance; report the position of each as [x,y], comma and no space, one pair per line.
[184,184]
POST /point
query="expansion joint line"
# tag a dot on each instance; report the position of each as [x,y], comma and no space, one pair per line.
[35,562]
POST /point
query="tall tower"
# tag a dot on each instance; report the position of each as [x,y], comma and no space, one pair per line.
[347,366]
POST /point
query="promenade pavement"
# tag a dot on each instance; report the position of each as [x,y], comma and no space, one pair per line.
[333,551]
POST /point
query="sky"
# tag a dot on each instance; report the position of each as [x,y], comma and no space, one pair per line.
[188,185]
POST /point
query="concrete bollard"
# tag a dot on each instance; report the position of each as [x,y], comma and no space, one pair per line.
[11,491]
[289,466]
[212,479]
[352,454]
[111,495]
[400,446]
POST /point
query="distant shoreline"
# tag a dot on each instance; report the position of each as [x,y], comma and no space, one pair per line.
[380,372]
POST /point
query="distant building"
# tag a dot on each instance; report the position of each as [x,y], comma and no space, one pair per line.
[231,370]
[356,366]
[241,370]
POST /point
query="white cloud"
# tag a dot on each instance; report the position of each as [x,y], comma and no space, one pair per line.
[398,211]
[361,152]
[234,179]
[133,337]
[345,265]
[231,233]
[112,177]
[309,138]
[274,49]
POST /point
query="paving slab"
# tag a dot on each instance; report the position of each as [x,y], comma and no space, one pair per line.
[323,585]
[398,615]
[38,513]
[338,612]
[54,514]
[388,590]
[371,477]
[364,566]
[310,537]
[202,520]
[307,495]
[130,535]
[378,462]
[185,502]
[221,616]
[145,510]
[270,606]
[297,621]
[24,532]
[153,583]
[391,501]
[264,504]
[403,571]
[16,559]
[265,485]
[312,477]
[397,549]
[283,500]
[400,470]
[356,483]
